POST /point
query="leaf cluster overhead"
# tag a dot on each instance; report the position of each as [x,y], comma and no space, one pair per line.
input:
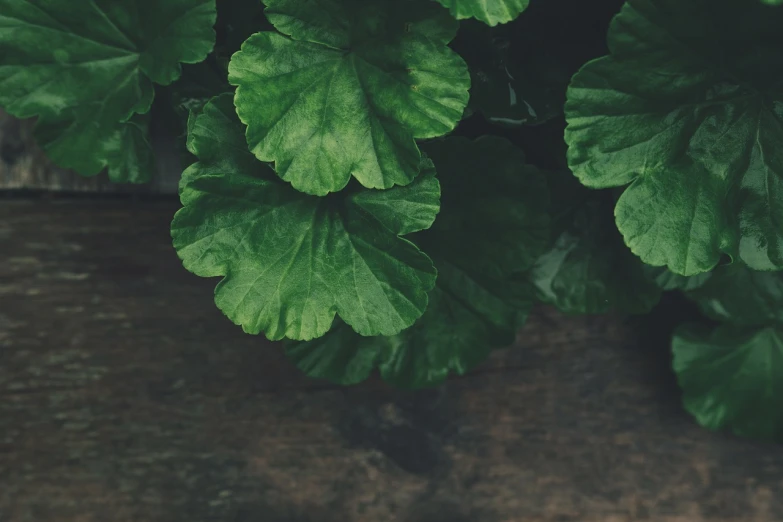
[390,185]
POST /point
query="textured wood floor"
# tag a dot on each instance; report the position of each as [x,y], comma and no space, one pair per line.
[126,396]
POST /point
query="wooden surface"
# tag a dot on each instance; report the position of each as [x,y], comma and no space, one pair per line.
[24,166]
[126,396]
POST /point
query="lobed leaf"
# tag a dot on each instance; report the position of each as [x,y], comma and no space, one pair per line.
[291,261]
[348,91]
[491,12]
[485,237]
[687,111]
[84,69]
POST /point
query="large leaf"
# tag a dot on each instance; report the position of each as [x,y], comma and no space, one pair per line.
[84,67]
[490,12]
[732,377]
[739,295]
[688,110]
[291,261]
[349,91]
[484,235]
[589,270]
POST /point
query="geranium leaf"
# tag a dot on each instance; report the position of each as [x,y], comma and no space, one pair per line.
[687,109]
[491,12]
[349,91]
[122,147]
[291,261]
[589,270]
[482,294]
[732,377]
[84,67]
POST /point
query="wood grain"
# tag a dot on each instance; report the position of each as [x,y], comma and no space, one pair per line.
[24,166]
[126,396]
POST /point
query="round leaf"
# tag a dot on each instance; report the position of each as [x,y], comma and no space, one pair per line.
[291,261]
[687,110]
[349,91]
[83,67]
[491,12]
[484,234]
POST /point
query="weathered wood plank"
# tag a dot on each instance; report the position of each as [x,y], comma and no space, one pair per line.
[24,166]
[126,396]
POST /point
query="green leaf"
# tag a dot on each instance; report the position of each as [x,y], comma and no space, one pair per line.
[491,12]
[465,320]
[668,280]
[589,270]
[732,377]
[84,67]
[291,261]
[480,299]
[688,110]
[349,91]
[737,294]
[123,147]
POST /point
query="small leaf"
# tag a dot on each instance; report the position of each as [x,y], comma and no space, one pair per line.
[687,111]
[732,377]
[491,12]
[291,261]
[350,90]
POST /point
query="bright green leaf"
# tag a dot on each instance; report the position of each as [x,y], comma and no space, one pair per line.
[687,109]
[291,261]
[84,67]
[491,12]
[742,296]
[479,300]
[589,270]
[349,91]
[732,377]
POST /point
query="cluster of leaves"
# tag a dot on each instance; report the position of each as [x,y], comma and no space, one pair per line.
[391,185]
